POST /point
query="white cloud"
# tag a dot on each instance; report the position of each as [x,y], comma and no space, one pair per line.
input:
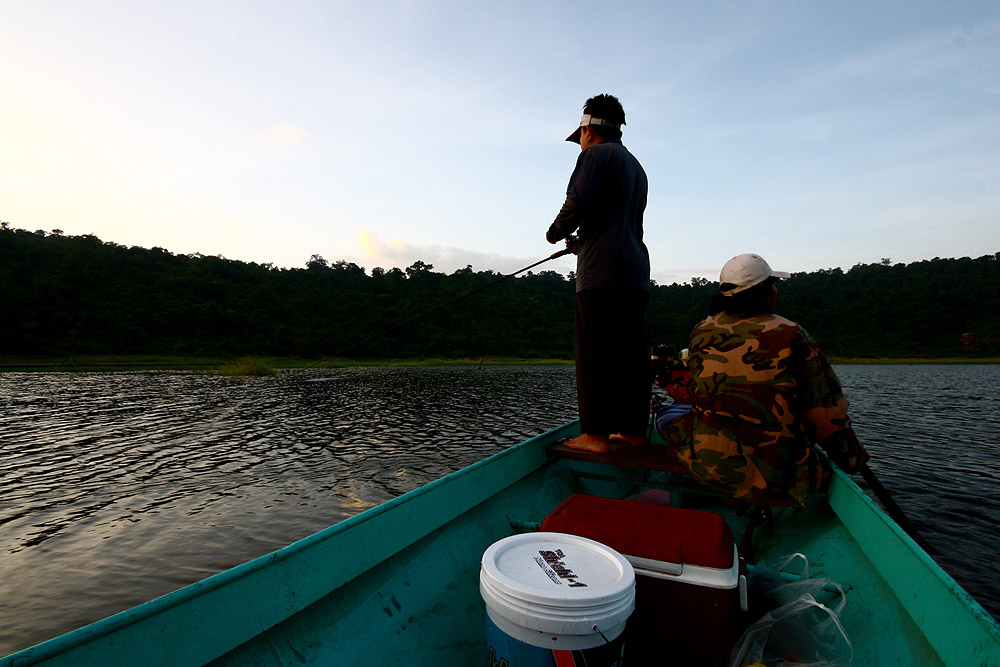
[446,259]
[281,134]
[947,52]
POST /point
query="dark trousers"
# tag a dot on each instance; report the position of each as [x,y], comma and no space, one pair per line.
[612,362]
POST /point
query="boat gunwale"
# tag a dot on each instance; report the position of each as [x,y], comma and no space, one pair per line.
[123,620]
[928,584]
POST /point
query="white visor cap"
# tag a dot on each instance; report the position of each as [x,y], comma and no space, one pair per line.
[591,120]
[745,271]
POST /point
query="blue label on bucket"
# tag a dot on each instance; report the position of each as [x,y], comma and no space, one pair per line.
[502,650]
[505,651]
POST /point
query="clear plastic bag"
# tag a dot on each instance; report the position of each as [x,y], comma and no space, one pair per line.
[771,586]
[795,628]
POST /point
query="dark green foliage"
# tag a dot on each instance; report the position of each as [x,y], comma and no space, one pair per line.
[78,295]
[936,308]
[673,311]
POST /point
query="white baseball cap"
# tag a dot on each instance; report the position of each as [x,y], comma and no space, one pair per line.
[745,271]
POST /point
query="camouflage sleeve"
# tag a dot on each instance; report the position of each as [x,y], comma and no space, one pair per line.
[824,406]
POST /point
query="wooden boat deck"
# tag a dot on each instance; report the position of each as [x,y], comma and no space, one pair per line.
[649,457]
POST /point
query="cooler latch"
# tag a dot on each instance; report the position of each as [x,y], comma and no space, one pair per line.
[744,594]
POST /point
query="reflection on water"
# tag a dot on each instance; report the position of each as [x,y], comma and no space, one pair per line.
[120,487]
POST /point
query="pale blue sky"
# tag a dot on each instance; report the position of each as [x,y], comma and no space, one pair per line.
[817,134]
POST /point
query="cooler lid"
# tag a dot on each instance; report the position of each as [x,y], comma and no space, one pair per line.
[645,530]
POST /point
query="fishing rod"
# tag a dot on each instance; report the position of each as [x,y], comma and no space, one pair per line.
[570,247]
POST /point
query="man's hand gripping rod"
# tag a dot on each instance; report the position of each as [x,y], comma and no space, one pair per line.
[571,242]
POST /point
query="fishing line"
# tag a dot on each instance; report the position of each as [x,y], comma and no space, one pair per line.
[441,306]
[570,243]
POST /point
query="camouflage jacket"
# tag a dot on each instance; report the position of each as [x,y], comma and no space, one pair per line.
[764,393]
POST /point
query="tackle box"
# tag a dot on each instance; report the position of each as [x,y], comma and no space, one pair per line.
[690,581]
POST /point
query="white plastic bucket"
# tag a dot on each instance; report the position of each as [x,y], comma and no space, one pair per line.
[548,592]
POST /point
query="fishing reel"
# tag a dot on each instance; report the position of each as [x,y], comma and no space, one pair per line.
[571,243]
[671,374]
[663,361]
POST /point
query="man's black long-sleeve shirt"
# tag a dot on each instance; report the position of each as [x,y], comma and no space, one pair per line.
[605,201]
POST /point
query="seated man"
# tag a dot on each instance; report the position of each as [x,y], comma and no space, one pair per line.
[764,394]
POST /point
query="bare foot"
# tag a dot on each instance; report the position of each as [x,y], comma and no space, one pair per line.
[598,444]
[634,440]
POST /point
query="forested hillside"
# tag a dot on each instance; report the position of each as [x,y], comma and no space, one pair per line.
[64,295]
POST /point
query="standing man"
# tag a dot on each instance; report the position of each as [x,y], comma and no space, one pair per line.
[605,201]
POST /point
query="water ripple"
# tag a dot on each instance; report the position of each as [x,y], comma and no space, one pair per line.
[932,432]
[119,487]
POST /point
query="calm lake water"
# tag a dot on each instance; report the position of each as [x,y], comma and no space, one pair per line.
[116,488]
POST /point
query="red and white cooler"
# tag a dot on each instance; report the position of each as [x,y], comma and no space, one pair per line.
[690,585]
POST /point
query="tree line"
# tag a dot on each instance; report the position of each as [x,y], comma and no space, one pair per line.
[63,295]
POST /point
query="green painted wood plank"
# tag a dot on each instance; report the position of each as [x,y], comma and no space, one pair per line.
[421,607]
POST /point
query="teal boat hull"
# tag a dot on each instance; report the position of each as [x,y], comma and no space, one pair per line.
[398,584]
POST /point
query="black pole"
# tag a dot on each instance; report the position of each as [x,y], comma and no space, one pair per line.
[893,509]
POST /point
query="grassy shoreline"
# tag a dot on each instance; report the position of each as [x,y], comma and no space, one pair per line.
[99,363]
